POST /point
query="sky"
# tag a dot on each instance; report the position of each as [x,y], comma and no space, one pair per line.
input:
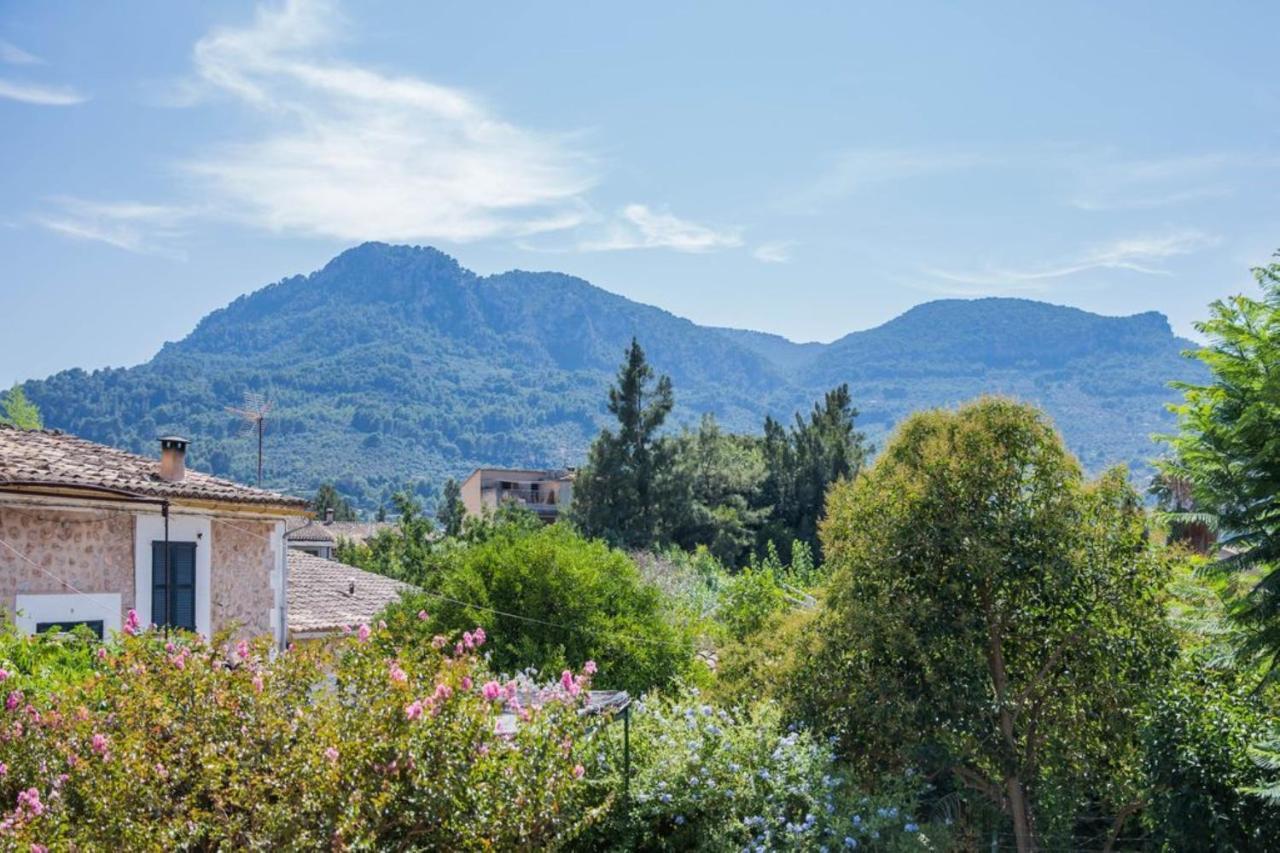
[805,169]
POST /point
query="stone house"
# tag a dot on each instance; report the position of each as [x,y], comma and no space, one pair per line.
[89,532]
[322,538]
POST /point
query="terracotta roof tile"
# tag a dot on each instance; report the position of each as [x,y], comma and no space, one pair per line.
[321,599]
[53,458]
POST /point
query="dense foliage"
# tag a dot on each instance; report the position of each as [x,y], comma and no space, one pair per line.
[326,499]
[553,600]
[1226,447]
[993,618]
[17,411]
[714,779]
[374,745]
[393,366]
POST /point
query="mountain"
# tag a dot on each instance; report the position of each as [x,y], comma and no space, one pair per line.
[395,365]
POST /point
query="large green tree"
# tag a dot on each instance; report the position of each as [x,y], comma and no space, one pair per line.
[992,618]
[803,462]
[714,499]
[1228,448]
[16,410]
[618,495]
[451,512]
[329,498]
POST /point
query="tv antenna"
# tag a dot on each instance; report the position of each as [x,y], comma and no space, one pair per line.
[254,412]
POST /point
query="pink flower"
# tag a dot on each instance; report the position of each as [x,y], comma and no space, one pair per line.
[4,674]
[346,629]
[413,710]
[443,692]
[479,636]
[466,682]
[4,768]
[242,649]
[438,641]
[397,674]
[589,667]
[100,743]
[257,682]
[566,679]
[162,771]
[468,640]
[331,755]
[492,690]
[29,800]
[364,633]
[423,616]
[578,771]
[170,647]
[102,653]
[39,848]
[13,701]
[131,622]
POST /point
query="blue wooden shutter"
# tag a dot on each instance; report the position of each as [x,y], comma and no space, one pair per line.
[182,567]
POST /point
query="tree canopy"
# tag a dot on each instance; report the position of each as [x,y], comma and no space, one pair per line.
[991,616]
[1227,448]
[17,411]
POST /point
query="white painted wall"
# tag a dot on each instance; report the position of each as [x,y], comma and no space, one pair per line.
[68,607]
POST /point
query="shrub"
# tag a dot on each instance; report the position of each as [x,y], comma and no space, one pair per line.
[712,779]
[556,600]
[371,745]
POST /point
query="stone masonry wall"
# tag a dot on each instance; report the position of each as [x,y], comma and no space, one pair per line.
[240,576]
[91,550]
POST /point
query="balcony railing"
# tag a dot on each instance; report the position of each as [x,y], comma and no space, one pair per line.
[534,499]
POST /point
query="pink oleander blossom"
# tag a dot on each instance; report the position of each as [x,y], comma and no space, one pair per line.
[467,682]
[589,667]
[578,771]
[364,633]
[242,650]
[4,769]
[423,616]
[13,700]
[331,755]
[100,743]
[491,690]
[439,641]
[413,710]
[478,636]
[29,802]
[4,675]
[102,653]
[257,682]
[131,622]
[396,673]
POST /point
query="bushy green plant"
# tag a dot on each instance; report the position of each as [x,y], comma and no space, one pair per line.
[39,664]
[706,778]
[555,600]
[377,743]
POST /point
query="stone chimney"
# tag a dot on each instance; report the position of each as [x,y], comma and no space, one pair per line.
[328,515]
[173,458]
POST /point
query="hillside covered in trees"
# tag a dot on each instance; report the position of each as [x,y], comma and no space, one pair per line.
[394,366]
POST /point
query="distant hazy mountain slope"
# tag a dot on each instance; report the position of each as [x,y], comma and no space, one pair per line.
[395,364]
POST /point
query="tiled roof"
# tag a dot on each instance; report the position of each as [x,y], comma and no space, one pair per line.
[321,596]
[55,459]
[334,531]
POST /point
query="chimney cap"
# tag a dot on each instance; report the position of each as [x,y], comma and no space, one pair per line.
[173,442]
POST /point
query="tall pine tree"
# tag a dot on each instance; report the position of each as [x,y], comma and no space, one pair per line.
[618,496]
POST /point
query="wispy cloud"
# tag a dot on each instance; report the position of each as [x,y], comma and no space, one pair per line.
[135,227]
[11,54]
[1138,255]
[354,153]
[855,169]
[28,92]
[1106,182]
[640,227]
[778,252]
[37,93]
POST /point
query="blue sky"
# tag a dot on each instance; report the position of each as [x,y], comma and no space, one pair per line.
[805,169]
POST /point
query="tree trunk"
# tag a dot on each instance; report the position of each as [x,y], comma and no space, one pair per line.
[1023,830]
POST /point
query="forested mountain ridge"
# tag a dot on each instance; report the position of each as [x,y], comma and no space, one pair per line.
[395,365]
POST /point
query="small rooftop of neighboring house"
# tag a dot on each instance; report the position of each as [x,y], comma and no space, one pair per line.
[326,596]
[321,537]
[55,461]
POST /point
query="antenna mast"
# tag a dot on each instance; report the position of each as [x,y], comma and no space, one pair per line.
[254,412]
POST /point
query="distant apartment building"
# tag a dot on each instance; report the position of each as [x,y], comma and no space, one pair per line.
[547,493]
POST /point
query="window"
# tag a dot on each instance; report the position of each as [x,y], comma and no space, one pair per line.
[182,571]
[67,625]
